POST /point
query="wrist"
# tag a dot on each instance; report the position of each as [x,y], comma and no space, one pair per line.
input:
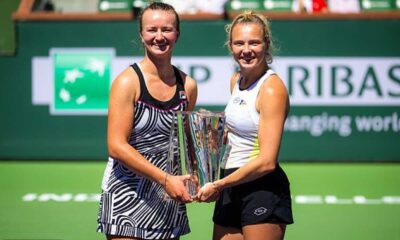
[217,187]
[164,182]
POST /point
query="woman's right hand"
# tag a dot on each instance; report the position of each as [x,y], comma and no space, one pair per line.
[175,186]
[208,193]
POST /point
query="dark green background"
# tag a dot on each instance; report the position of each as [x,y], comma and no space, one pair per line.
[7,27]
[30,132]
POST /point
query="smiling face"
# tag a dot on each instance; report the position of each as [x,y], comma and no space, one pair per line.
[159,33]
[248,46]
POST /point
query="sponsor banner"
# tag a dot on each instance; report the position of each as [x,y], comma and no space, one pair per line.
[338,81]
[342,125]
[73,81]
[76,81]
[81,80]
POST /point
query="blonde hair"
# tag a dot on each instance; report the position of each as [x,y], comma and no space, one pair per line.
[252,17]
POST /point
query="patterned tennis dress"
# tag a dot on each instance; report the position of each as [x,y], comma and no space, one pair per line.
[130,204]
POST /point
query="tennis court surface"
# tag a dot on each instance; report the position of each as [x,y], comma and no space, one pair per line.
[59,200]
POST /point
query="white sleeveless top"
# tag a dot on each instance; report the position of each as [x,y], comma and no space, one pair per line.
[242,120]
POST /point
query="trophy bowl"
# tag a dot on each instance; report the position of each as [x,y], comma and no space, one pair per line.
[196,144]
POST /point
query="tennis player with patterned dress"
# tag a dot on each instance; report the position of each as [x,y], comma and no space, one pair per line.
[142,101]
[253,194]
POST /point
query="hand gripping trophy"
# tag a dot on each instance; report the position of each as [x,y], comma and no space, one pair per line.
[196,146]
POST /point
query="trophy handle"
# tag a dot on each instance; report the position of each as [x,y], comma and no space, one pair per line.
[187,151]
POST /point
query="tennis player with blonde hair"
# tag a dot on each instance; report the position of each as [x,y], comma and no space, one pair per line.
[253,194]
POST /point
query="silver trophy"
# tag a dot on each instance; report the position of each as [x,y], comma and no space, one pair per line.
[196,146]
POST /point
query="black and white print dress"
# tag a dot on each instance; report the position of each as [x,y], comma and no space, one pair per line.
[135,206]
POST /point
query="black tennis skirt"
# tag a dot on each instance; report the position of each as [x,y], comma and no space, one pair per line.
[264,200]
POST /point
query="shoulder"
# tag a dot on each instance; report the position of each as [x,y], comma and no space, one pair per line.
[273,86]
[273,94]
[126,83]
[128,77]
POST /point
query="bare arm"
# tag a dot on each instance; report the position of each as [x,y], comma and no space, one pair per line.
[124,92]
